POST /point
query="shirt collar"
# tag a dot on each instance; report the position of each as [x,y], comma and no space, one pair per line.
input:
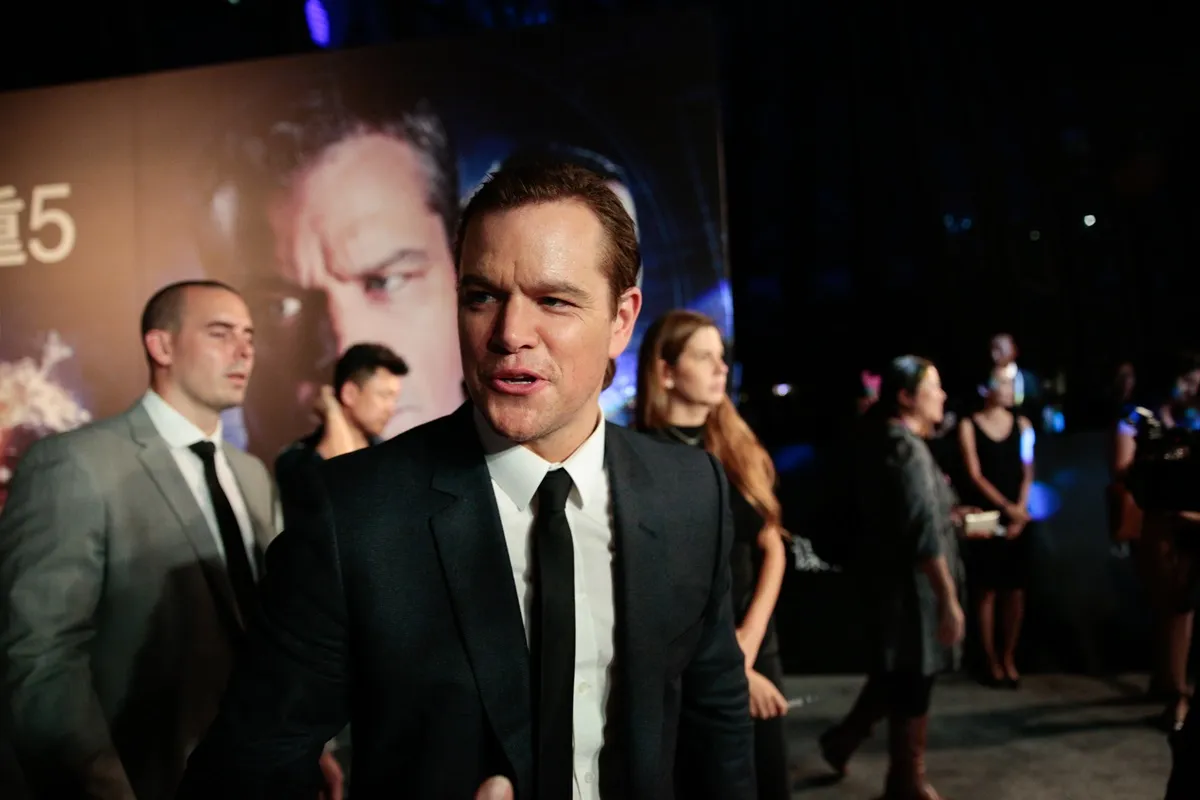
[519,471]
[175,429]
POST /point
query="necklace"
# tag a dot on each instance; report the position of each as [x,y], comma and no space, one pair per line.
[675,433]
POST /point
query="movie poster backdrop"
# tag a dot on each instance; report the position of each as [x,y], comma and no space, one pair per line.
[326,187]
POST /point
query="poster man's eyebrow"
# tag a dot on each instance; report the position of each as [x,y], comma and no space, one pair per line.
[399,258]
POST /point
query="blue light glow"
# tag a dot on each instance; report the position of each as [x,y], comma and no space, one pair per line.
[1044,501]
[1028,440]
[318,22]
[792,458]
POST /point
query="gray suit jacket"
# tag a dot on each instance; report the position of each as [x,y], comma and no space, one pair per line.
[118,622]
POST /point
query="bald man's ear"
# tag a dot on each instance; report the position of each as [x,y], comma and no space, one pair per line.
[161,347]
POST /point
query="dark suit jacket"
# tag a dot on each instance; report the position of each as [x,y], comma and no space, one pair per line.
[293,467]
[393,605]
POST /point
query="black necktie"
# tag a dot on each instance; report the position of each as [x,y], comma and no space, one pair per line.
[236,561]
[553,638]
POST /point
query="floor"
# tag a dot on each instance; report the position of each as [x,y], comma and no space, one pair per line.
[1057,738]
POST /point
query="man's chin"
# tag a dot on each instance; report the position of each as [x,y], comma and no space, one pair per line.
[517,422]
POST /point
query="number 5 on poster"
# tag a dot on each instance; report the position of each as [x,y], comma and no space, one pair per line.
[51,229]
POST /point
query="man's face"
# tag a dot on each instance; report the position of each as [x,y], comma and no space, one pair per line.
[1187,386]
[210,357]
[360,256]
[372,403]
[1004,350]
[537,324]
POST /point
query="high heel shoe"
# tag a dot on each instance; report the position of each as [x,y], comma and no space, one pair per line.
[992,681]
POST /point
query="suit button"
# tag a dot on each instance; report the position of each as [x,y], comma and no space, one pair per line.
[589,778]
[584,687]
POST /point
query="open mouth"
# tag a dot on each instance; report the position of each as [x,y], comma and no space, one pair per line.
[515,381]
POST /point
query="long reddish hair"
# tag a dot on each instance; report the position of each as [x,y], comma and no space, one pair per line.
[726,434]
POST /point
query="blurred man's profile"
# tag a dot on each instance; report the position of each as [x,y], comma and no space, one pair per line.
[335,213]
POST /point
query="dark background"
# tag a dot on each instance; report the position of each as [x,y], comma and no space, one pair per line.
[859,141]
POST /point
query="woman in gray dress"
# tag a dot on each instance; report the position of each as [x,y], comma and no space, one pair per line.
[906,562]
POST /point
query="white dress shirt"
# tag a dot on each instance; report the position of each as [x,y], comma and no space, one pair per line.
[180,434]
[516,473]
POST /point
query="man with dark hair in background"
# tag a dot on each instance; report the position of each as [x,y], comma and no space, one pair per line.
[335,212]
[1027,389]
[129,551]
[519,589]
[354,411]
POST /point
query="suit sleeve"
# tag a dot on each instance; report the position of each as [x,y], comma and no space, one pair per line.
[289,692]
[52,560]
[716,732]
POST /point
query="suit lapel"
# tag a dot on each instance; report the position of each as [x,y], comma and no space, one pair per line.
[158,461]
[474,558]
[641,595]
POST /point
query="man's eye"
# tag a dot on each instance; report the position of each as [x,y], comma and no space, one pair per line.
[475,298]
[377,284]
[553,302]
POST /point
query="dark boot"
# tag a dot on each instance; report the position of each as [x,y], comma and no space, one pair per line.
[840,742]
[906,772]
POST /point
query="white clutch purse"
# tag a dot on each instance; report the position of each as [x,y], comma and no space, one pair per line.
[983,523]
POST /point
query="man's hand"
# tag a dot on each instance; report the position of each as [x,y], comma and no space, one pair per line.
[325,401]
[1014,529]
[766,701]
[334,778]
[496,788]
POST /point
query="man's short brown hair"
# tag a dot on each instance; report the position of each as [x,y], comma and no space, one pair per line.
[533,181]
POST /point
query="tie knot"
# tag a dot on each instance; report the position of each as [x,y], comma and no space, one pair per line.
[205,449]
[552,494]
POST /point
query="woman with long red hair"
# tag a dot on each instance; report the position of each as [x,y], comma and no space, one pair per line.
[681,398]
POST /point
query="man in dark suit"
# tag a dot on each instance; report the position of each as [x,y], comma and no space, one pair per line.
[517,589]
[127,565]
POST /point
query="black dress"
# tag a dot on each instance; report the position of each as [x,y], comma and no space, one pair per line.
[999,564]
[745,559]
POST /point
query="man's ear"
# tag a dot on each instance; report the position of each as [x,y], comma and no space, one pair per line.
[628,307]
[349,393]
[161,347]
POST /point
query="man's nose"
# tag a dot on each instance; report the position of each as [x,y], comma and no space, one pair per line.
[245,349]
[516,326]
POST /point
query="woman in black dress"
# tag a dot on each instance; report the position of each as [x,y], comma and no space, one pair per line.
[906,567]
[682,398]
[997,452]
